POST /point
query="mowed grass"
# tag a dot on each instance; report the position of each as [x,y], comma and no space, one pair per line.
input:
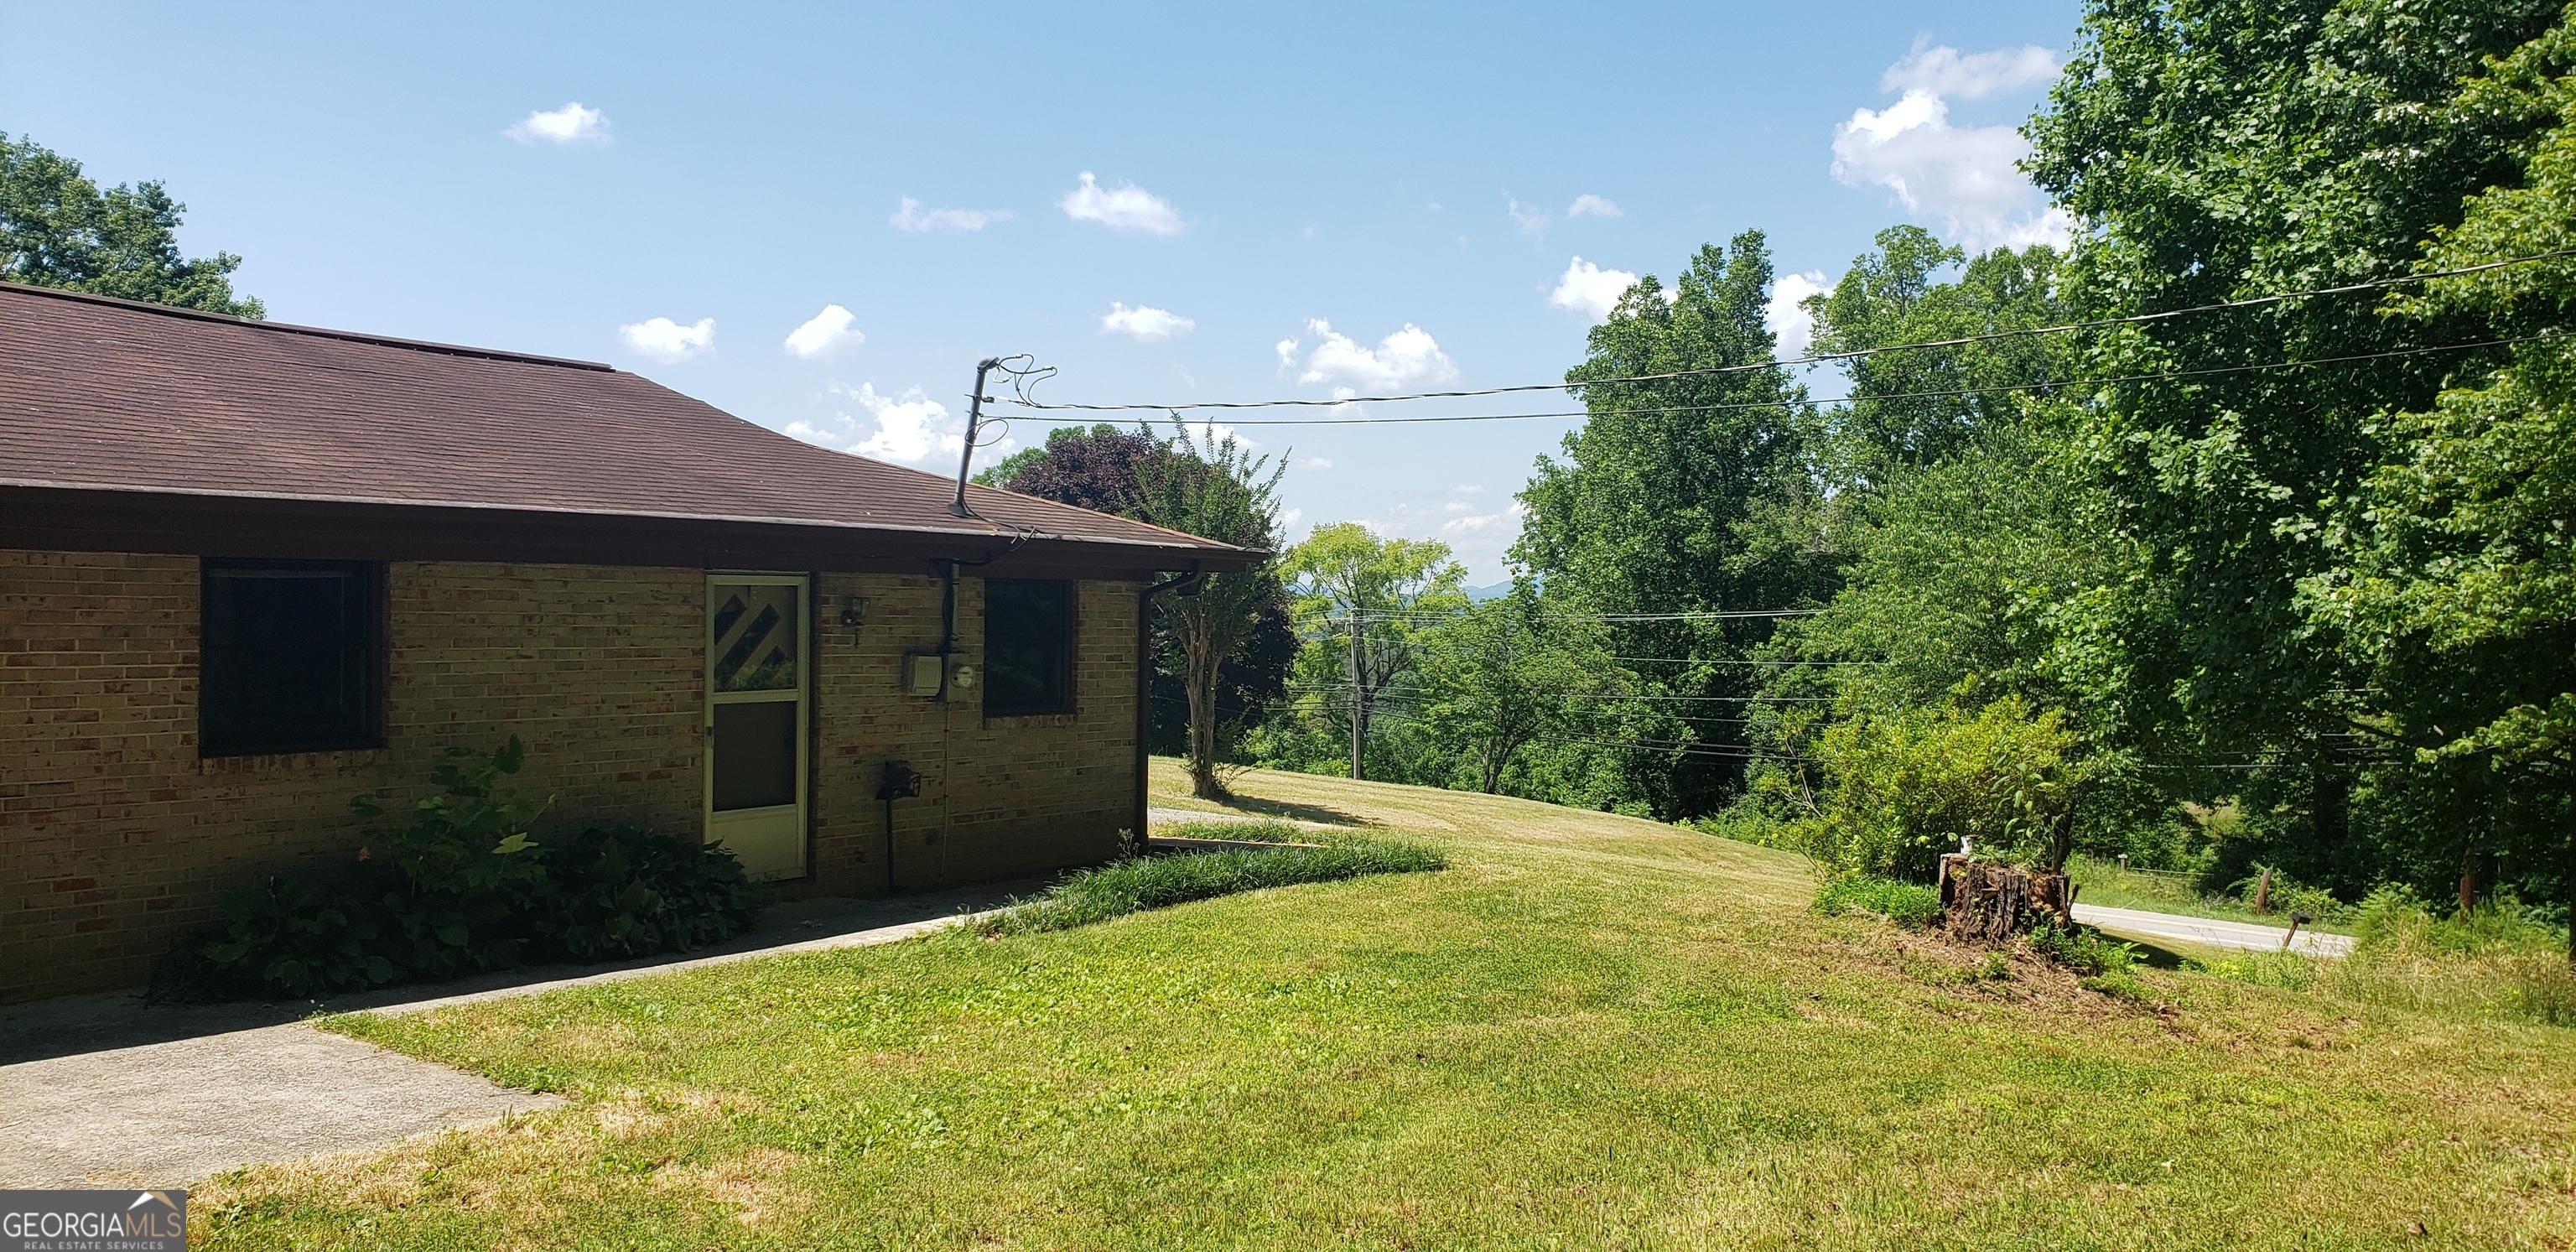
[1588,1031]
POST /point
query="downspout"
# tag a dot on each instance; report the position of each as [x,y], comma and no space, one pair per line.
[1145,689]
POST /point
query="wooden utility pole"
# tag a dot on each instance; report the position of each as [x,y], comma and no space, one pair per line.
[1359,696]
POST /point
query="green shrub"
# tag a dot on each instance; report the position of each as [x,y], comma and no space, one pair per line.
[2100,963]
[2083,949]
[461,887]
[625,892]
[2289,895]
[1158,881]
[1753,818]
[1904,903]
[1899,789]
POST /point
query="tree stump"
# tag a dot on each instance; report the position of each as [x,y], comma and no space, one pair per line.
[1990,902]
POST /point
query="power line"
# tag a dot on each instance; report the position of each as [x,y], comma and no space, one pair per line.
[1822,357]
[2164,376]
[1340,687]
[1694,660]
[1431,615]
[1683,747]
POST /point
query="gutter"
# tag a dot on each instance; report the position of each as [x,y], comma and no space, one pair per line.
[1145,688]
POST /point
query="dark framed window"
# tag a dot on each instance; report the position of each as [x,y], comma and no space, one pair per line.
[1028,646]
[291,657]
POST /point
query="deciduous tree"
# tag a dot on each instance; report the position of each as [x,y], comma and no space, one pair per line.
[58,229]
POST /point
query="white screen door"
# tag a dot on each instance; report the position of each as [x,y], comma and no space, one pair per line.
[756,690]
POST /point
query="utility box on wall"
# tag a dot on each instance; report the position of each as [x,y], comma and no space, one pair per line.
[922,672]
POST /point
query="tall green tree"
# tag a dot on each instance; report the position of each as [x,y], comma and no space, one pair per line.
[58,229]
[2219,150]
[1689,494]
[2456,585]
[1363,603]
[1505,674]
[1216,489]
[1964,524]
[1222,649]
[1919,406]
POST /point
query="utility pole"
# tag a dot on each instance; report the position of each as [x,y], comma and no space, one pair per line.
[1359,700]
[974,414]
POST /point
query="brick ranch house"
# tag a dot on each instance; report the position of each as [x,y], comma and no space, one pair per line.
[249,570]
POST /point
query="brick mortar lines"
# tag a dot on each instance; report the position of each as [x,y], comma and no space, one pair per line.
[598,669]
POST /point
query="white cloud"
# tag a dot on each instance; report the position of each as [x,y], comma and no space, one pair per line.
[1316,463]
[1469,525]
[909,215]
[826,334]
[1409,357]
[569,124]
[1964,177]
[1291,517]
[1589,205]
[1532,221]
[668,341]
[1590,290]
[1786,320]
[1457,506]
[910,427]
[1217,432]
[1943,71]
[1469,489]
[1123,207]
[1144,323]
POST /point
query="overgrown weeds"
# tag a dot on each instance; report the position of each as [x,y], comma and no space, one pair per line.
[1159,881]
[2496,961]
[2100,963]
[1907,904]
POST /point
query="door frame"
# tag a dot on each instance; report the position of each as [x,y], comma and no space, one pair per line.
[802,809]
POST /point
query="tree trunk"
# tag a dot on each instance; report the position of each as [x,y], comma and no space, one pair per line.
[1202,753]
[2468,882]
[1989,902]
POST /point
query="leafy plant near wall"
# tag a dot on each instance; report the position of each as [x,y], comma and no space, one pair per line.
[463,886]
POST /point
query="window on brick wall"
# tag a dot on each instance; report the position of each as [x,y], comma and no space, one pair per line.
[1028,646]
[291,657]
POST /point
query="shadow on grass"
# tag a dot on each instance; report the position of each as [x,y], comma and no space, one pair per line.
[1258,807]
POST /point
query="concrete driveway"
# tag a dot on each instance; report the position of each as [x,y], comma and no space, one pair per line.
[107,1091]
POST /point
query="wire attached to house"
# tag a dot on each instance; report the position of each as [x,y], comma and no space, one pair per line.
[1950,393]
[1025,400]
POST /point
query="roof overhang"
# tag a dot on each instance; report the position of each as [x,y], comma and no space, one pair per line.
[107,518]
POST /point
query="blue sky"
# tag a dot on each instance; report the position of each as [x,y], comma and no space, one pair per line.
[1280,201]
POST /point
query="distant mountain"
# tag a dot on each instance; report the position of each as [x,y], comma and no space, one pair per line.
[1487,593]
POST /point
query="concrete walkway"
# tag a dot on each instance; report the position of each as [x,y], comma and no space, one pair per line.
[107,1091]
[2209,932]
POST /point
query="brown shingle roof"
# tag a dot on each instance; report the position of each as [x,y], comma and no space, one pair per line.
[169,406]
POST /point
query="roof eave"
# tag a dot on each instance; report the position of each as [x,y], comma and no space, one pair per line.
[95,517]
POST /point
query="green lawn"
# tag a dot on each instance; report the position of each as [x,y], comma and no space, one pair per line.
[1590,1031]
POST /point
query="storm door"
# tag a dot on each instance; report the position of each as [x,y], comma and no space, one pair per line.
[756,721]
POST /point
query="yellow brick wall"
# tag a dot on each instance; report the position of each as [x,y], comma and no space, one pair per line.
[116,838]
[1003,796]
